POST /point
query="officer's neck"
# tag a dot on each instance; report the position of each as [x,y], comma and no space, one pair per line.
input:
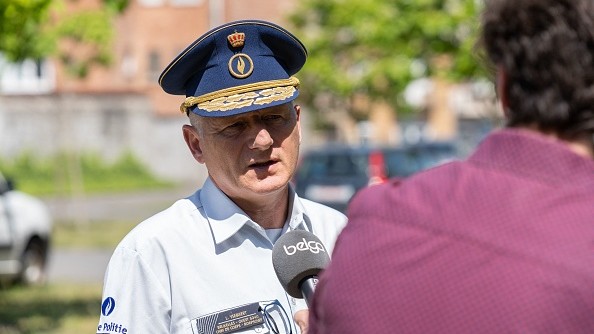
[268,211]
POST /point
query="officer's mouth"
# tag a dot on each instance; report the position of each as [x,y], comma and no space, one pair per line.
[263,164]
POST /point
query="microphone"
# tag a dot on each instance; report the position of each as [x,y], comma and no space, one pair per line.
[298,257]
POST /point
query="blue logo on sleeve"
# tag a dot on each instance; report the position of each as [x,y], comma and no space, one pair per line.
[108,306]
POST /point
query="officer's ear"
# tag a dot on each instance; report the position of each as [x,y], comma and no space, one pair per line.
[192,139]
[298,113]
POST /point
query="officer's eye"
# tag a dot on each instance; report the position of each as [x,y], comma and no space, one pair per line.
[235,125]
[272,117]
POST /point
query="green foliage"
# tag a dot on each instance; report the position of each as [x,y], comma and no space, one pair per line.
[89,36]
[117,6]
[376,47]
[21,22]
[54,176]
[52,309]
[35,29]
[103,235]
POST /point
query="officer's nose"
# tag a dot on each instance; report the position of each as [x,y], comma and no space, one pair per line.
[262,141]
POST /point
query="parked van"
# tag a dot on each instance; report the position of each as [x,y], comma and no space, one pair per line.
[25,230]
[332,174]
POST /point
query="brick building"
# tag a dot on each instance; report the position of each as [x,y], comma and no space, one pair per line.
[119,108]
[150,33]
[123,108]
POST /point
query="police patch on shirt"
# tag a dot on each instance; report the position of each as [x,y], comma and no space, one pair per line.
[107,307]
[259,317]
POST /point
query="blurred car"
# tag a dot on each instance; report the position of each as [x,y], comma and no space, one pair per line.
[332,174]
[25,230]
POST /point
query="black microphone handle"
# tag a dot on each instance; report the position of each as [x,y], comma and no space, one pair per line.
[307,287]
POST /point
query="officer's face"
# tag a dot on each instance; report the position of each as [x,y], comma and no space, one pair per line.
[248,155]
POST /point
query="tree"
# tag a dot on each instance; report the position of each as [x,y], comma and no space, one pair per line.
[79,38]
[20,22]
[35,29]
[376,47]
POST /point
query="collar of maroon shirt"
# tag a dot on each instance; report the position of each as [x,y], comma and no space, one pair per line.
[527,152]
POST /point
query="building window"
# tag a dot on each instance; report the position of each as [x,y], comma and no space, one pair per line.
[27,77]
[152,3]
[128,66]
[154,66]
[185,3]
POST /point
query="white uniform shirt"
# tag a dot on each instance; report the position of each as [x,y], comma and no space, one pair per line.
[191,268]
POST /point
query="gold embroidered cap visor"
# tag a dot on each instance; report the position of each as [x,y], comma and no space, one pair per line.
[236,68]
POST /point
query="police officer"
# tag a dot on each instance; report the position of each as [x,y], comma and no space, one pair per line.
[204,264]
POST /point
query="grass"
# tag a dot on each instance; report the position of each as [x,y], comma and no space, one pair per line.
[65,173]
[61,308]
[97,235]
[65,308]
[51,309]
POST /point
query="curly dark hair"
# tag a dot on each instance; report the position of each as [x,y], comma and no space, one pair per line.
[547,50]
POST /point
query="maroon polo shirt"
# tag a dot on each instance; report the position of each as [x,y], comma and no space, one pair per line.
[502,242]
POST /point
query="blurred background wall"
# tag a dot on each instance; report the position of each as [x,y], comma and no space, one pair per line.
[119,106]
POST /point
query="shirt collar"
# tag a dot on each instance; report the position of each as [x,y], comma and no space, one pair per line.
[528,153]
[226,218]
[298,220]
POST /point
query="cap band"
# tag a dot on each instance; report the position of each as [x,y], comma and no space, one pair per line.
[259,93]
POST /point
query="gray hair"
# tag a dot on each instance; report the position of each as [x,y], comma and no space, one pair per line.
[196,122]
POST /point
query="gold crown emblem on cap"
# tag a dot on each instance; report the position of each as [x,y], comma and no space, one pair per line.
[236,39]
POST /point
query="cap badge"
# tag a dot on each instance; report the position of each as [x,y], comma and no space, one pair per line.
[236,39]
[240,64]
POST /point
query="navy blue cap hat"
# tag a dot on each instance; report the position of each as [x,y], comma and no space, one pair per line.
[238,67]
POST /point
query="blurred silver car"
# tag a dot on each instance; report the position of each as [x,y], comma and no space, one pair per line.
[25,231]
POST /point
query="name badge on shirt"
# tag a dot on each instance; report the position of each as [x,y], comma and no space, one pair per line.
[263,317]
[232,320]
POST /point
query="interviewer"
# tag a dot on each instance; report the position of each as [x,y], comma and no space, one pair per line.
[502,242]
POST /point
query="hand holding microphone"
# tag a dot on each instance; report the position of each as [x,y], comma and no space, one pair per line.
[298,257]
